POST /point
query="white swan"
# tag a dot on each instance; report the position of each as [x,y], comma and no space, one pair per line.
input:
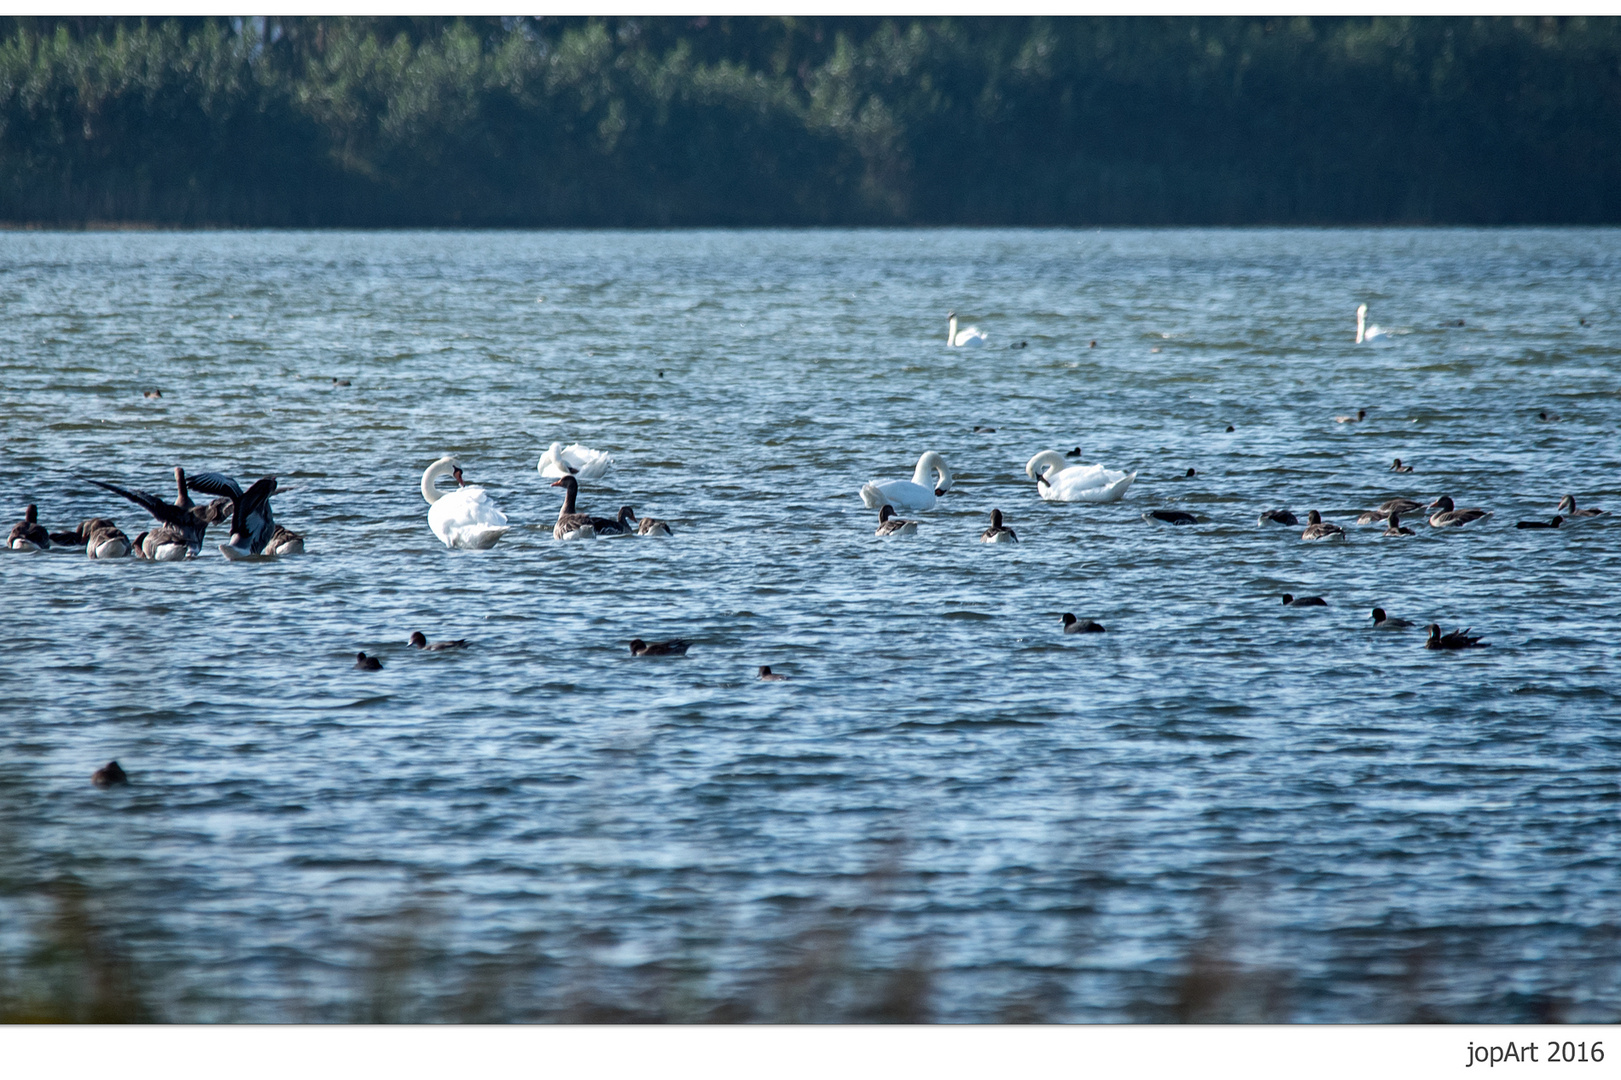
[1076,483]
[971,338]
[465,518]
[573,460]
[914,494]
[1364,332]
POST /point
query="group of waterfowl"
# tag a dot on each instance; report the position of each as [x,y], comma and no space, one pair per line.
[178,527]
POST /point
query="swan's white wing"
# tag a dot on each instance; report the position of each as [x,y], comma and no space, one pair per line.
[901,494]
[467,518]
[970,338]
[588,464]
[1086,483]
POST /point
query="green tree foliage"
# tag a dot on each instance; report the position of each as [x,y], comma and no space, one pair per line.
[806,121]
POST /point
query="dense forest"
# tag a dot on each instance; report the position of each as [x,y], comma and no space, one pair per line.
[808,121]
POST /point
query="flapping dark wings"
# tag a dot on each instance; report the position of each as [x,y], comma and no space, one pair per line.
[252,505]
[167,513]
[213,483]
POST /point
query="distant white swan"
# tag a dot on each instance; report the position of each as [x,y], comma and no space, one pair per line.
[914,494]
[1364,332]
[971,338]
[1076,483]
[465,518]
[573,460]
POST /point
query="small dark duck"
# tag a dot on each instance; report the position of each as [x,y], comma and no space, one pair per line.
[998,533]
[673,647]
[419,640]
[1381,621]
[367,663]
[109,775]
[1072,625]
[1457,639]
[1303,601]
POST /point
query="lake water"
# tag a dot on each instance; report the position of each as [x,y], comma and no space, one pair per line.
[1218,809]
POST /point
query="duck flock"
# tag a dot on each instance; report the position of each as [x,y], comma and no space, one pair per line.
[467,518]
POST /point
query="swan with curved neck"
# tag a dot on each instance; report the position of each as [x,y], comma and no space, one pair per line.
[1058,481]
[914,494]
[464,518]
[970,338]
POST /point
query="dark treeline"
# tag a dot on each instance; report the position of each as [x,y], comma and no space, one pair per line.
[808,121]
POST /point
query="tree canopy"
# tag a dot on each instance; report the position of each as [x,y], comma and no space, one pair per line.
[809,121]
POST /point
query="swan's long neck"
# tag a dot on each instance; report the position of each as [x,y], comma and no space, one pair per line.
[1361,322]
[1043,464]
[932,462]
[951,331]
[435,471]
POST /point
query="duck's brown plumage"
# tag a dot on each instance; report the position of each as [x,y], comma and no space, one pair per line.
[29,532]
[890,525]
[107,543]
[1457,639]
[1318,529]
[1567,506]
[998,532]
[568,521]
[1448,515]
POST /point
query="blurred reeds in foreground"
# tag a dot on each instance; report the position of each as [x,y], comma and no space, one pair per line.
[74,968]
[73,951]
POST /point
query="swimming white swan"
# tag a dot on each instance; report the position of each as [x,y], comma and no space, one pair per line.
[914,494]
[465,518]
[573,460]
[971,338]
[1364,332]
[1076,483]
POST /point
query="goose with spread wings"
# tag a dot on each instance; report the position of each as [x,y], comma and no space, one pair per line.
[253,527]
[179,533]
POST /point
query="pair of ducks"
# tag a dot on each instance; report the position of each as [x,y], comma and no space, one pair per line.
[99,537]
[890,525]
[679,647]
[573,525]
[1316,527]
[1567,509]
[1457,639]
[418,640]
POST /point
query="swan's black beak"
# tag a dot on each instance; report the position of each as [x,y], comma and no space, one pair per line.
[457,473]
[939,492]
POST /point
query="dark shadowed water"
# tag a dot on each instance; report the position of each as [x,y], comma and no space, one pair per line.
[1321,822]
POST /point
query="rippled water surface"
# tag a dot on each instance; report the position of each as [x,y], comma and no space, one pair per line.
[1219,808]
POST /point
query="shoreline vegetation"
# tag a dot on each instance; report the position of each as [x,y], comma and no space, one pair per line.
[414,122]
